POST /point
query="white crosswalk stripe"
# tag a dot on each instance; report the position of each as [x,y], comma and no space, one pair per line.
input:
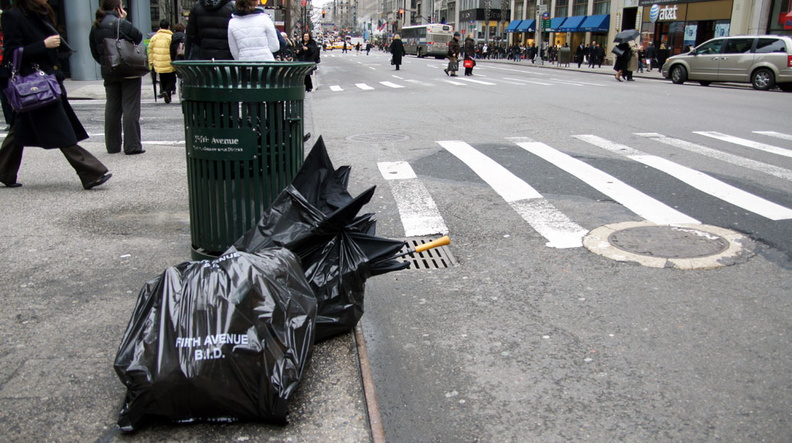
[364,86]
[647,207]
[774,134]
[391,85]
[543,217]
[742,162]
[747,143]
[417,209]
[696,179]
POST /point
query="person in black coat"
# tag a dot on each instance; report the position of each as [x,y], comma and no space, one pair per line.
[122,109]
[207,30]
[397,51]
[308,51]
[30,25]
[622,52]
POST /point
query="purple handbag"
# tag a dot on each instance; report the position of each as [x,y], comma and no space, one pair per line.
[33,91]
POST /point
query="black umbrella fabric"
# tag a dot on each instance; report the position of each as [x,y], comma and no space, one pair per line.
[627,36]
[220,340]
[316,218]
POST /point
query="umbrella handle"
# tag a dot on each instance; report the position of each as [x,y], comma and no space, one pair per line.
[442,241]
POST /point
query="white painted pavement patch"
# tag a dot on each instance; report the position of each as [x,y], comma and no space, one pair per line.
[696,179]
[543,217]
[417,209]
[364,86]
[643,205]
[455,83]
[336,88]
[481,82]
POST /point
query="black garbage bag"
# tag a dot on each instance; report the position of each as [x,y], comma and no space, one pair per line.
[220,340]
[316,218]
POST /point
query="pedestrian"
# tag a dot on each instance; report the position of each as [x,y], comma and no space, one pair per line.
[30,24]
[252,34]
[600,55]
[662,55]
[580,54]
[368,47]
[207,30]
[632,62]
[592,51]
[453,56]
[397,51]
[308,52]
[641,58]
[122,107]
[178,50]
[650,56]
[470,48]
[622,53]
[160,59]
[5,74]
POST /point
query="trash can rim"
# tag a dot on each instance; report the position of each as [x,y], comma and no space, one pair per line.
[238,63]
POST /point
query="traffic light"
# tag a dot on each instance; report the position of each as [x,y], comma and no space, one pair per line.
[323,13]
[401,12]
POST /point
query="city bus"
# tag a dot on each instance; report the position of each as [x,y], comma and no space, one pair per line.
[431,39]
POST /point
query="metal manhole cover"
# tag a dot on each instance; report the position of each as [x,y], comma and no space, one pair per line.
[668,241]
[368,138]
[435,258]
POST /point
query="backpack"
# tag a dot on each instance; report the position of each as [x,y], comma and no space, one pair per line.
[180,50]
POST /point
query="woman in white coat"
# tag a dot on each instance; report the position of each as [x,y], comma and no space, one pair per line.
[251,33]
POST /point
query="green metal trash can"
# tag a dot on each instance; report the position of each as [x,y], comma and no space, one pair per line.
[243,127]
[564,56]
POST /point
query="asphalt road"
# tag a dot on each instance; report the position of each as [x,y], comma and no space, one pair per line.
[523,341]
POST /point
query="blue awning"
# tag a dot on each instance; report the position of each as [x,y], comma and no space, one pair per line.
[595,23]
[513,25]
[527,26]
[572,23]
[555,23]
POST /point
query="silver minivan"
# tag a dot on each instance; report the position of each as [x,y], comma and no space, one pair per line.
[765,61]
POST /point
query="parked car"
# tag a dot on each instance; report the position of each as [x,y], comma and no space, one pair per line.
[765,61]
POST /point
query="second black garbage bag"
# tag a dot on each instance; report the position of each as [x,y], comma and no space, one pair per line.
[316,218]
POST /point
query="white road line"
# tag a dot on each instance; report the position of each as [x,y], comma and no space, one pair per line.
[643,205]
[391,85]
[532,82]
[747,143]
[364,86]
[336,88]
[481,82]
[696,179]
[417,209]
[455,83]
[543,217]
[775,134]
[742,162]
[418,82]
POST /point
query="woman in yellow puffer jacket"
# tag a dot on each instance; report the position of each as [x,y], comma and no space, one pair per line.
[160,60]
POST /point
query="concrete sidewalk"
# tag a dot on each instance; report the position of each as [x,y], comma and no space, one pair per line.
[73,262]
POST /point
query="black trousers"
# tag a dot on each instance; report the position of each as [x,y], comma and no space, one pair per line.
[168,82]
[88,167]
[122,111]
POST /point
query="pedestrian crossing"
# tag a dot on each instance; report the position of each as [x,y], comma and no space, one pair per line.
[561,230]
[495,78]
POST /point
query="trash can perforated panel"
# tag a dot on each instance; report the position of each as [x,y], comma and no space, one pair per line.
[243,124]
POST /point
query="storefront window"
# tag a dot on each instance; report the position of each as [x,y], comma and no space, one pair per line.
[579,7]
[562,7]
[601,7]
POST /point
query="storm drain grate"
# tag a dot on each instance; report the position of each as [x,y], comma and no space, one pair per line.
[435,258]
